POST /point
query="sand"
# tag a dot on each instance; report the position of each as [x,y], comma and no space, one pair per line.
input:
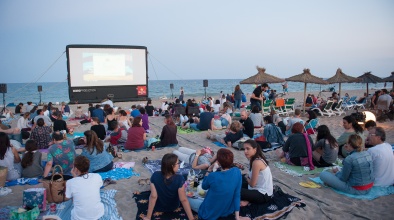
[321,203]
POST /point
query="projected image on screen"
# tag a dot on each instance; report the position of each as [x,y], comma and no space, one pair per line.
[107,66]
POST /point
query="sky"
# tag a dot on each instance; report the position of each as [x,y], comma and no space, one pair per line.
[221,39]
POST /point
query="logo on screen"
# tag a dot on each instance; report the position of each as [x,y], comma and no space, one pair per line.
[141,90]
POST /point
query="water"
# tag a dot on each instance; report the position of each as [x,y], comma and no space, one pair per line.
[58,91]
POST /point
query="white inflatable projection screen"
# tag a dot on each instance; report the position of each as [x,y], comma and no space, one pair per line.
[106,66]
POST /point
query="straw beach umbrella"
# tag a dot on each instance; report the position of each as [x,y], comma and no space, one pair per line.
[306,77]
[262,77]
[390,79]
[368,77]
[341,77]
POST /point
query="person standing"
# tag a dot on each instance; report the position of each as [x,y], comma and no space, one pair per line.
[181,95]
[284,86]
[237,96]
[257,98]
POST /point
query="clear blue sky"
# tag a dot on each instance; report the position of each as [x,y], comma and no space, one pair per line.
[202,39]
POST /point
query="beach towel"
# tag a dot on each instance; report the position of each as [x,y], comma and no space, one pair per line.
[376,191]
[217,143]
[298,170]
[75,135]
[185,130]
[279,206]
[142,201]
[126,165]
[22,181]
[118,173]
[107,198]
[155,165]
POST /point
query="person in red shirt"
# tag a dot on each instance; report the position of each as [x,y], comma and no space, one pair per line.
[136,136]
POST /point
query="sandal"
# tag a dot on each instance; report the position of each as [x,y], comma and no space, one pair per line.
[309,184]
[142,182]
[108,181]
[144,160]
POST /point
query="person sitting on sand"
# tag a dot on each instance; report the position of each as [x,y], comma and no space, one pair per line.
[29,106]
[256,117]
[271,132]
[94,150]
[199,159]
[228,194]
[135,111]
[149,108]
[60,124]
[42,134]
[368,125]
[232,135]
[65,109]
[79,113]
[382,156]
[124,119]
[357,174]
[217,123]
[257,186]
[136,136]
[98,113]
[168,133]
[351,127]
[295,151]
[84,189]
[145,119]
[23,122]
[205,120]
[247,124]
[98,128]
[118,134]
[31,161]
[18,109]
[9,158]
[40,114]
[293,120]
[168,189]
[325,151]
[216,106]
[61,152]
[110,118]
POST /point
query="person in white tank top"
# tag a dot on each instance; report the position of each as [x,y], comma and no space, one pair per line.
[259,180]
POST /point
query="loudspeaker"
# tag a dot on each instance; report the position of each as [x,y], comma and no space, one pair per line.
[39,88]
[171,86]
[3,88]
[205,83]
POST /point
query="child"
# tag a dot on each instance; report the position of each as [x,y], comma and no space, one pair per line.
[118,135]
[31,161]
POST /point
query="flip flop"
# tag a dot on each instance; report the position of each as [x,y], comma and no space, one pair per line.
[144,160]
[309,184]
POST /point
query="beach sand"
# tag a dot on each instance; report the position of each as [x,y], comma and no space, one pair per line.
[321,203]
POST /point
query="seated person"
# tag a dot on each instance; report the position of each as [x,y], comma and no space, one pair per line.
[247,124]
[256,117]
[94,150]
[136,136]
[18,109]
[84,189]
[293,120]
[257,185]
[9,158]
[369,125]
[168,133]
[118,135]
[295,151]
[31,161]
[325,151]
[356,176]
[232,135]
[79,113]
[167,189]
[98,128]
[205,120]
[271,132]
[199,159]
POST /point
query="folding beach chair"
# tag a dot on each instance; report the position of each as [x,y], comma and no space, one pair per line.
[280,107]
[266,107]
[362,104]
[350,104]
[327,111]
[311,126]
[338,109]
[289,105]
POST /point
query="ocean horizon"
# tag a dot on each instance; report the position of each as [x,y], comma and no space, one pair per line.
[58,91]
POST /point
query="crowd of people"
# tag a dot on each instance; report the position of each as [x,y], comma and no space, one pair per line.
[365,157]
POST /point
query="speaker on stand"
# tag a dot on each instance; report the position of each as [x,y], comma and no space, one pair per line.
[39,88]
[205,84]
[172,88]
[3,89]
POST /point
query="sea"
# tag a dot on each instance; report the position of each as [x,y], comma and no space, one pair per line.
[58,91]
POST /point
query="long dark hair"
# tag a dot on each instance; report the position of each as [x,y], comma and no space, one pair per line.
[351,120]
[323,132]
[136,122]
[259,152]
[169,121]
[92,141]
[27,160]
[4,144]
[167,165]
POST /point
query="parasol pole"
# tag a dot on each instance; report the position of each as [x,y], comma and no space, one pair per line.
[340,94]
[367,90]
[303,101]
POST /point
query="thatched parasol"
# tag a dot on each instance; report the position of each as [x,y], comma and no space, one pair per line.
[340,77]
[306,77]
[368,77]
[390,79]
[262,77]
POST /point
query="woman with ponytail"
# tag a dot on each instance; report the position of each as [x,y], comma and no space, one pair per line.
[31,161]
[351,127]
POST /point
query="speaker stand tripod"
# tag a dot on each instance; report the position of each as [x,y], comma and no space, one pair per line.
[3,110]
[40,99]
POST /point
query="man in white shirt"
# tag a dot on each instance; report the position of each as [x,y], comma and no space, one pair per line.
[292,121]
[384,100]
[47,120]
[109,102]
[383,158]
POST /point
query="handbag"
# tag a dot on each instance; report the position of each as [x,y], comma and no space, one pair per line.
[35,197]
[55,186]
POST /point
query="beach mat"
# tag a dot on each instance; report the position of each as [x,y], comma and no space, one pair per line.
[107,198]
[297,170]
[274,146]
[279,206]
[142,201]
[185,131]
[118,173]
[22,181]
[155,165]
[217,143]
[376,191]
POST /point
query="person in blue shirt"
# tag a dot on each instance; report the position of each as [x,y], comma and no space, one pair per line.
[206,119]
[224,189]
[100,159]
[98,113]
[167,189]
[135,112]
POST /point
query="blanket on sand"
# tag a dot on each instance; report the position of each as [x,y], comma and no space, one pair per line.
[118,173]
[280,205]
[155,165]
[376,191]
[298,170]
